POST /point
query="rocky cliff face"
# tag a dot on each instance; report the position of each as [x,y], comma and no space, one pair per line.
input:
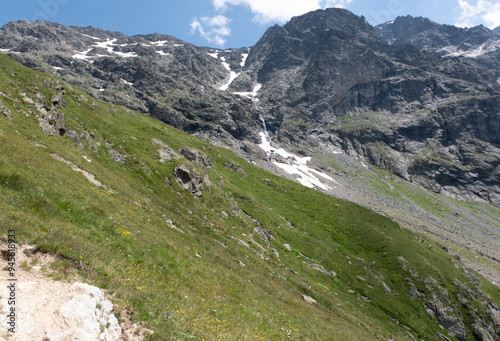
[400,108]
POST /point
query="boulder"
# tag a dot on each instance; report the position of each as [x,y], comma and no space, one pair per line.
[264,233]
[308,299]
[189,179]
[322,270]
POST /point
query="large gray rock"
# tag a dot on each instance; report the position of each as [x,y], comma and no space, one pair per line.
[165,153]
[189,179]
[52,120]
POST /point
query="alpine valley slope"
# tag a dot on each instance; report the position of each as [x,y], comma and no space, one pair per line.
[323,100]
[199,243]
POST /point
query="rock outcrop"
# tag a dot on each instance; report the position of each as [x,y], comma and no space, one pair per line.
[193,175]
[189,178]
[52,119]
[194,155]
[165,153]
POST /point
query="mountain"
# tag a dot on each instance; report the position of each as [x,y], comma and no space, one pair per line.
[479,43]
[496,30]
[156,74]
[395,107]
[194,242]
[324,100]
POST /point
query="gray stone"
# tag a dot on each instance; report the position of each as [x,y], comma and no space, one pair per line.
[309,299]
[387,290]
[189,179]
[166,154]
[322,270]
[116,156]
[264,233]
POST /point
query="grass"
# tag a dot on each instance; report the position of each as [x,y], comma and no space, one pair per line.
[181,281]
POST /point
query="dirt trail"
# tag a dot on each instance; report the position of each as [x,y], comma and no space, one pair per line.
[49,310]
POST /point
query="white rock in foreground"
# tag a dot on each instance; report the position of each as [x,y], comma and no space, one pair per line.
[87,316]
[55,311]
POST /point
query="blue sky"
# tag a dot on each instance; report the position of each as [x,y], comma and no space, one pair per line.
[234,23]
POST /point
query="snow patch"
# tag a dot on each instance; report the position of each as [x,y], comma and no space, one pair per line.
[126,54]
[296,166]
[244,57]
[232,75]
[452,51]
[108,45]
[4,50]
[82,55]
[159,42]
[213,54]
[252,94]
[126,82]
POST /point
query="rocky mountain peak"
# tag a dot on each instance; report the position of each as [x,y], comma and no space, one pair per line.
[314,24]
[424,33]
[478,43]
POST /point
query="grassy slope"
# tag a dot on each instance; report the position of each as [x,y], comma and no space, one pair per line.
[187,285]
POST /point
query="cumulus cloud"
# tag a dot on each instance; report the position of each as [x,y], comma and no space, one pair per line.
[266,11]
[214,29]
[484,11]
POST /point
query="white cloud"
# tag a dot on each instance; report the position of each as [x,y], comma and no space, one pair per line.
[266,11]
[484,11]
[214,29]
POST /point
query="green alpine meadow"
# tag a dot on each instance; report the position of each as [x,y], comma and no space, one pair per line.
[199,244]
